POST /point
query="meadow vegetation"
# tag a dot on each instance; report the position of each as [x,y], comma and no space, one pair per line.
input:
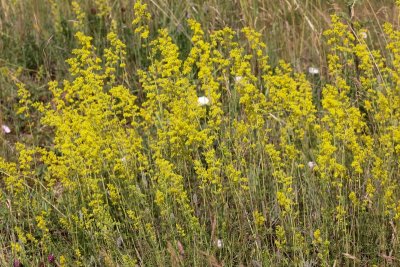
[204,133]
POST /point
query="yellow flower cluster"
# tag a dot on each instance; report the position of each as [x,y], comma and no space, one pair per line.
[142,19]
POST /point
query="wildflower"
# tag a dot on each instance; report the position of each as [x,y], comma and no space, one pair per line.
[312,165]
[203,100]
[17,263]
[313,70]
[363,35]
[258,218]
[238,78]
[62,260]
[5,128]
[220,244]
[51,258]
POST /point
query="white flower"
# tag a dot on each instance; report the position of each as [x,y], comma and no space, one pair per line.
[312,165]
[5,128]
[203,100]
[363,35]
[313,70]
[220,244]
[238,78]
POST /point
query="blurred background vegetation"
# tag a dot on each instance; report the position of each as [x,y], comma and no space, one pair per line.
[37,36]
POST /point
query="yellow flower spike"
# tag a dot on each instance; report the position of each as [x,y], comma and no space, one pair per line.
[281,240]
[353,198]
[141,20]
[259,219]
[55,12]
[25,101]
[103,7]
[80,16]
[114,56]
[16,248]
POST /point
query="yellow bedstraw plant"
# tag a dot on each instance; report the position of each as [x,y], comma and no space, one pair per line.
[265,170]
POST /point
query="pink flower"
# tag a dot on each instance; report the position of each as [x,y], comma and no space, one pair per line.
[17,263]
[51,258]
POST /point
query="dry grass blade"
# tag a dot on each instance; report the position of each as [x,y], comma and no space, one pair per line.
[212,260]
[348,256]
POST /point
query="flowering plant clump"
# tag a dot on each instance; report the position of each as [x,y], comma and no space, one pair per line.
[222,160]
